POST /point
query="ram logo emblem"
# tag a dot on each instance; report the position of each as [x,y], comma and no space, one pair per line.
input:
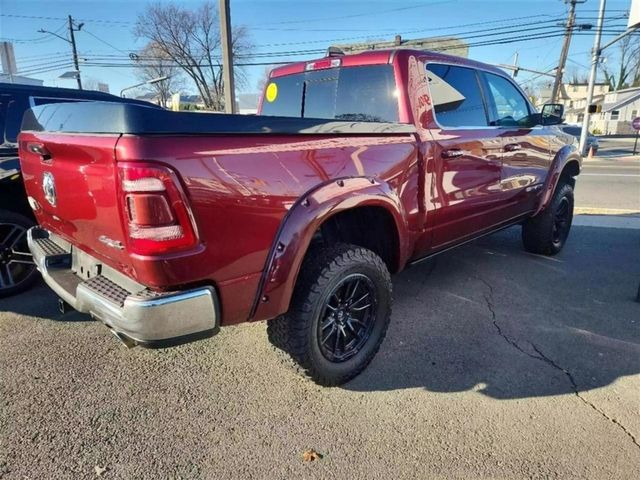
[49,188]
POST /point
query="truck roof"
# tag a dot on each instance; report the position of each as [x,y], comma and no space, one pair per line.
[377,57]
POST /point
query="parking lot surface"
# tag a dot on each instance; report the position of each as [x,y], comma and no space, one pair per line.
[497,364]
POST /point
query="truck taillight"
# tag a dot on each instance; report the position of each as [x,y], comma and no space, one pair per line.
[323,64]
[155,210]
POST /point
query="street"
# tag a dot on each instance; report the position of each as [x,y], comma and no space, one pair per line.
[611,180]
[498,363]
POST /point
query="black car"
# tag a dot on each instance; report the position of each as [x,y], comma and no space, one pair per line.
[17,271]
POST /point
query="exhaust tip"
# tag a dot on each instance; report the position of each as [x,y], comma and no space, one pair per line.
[128,342]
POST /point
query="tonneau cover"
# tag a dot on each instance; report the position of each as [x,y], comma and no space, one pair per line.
[122,118]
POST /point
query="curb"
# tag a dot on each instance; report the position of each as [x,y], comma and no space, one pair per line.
[605,211]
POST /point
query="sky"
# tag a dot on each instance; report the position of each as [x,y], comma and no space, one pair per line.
[279,28]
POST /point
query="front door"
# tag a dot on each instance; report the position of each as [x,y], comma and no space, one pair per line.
[466,193]
[526,145]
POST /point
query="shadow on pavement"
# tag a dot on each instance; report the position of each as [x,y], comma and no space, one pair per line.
[493,318]
[41,302]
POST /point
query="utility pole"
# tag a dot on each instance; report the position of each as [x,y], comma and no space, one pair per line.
[227,57]
[595,58]
[75,52]
[571,21]
[71,40]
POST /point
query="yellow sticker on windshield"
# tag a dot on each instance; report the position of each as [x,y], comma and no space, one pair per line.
[272,92]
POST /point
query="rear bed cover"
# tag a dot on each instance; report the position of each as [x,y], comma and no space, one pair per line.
[122,118]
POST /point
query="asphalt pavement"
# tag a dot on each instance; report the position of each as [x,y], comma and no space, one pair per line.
[611,179]
[497,364]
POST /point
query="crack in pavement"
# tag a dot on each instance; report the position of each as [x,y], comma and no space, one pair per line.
[544,358]
[576,392]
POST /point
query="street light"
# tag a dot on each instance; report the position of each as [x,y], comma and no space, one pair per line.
[148,82]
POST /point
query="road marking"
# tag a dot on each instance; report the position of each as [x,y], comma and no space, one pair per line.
[544,257]
[610,174]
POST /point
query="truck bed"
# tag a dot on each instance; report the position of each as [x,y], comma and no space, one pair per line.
[114,118]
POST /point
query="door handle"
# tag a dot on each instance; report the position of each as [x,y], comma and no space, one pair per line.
[512,147]
[39,149]
[452,153]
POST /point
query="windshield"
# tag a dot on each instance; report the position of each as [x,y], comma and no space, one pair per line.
[366,94]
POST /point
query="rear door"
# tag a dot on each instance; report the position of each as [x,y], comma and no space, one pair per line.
[526,145]
[467,193]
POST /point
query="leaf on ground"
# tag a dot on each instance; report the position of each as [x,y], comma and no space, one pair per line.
[310,455]
[99,470]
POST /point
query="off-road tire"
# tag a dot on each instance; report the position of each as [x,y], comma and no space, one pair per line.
[541,234]
[26,275]
[296,332]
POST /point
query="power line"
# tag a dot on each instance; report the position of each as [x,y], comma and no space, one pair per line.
[543,32]
[357,15]
[105,42]
[44,69]
[513,39]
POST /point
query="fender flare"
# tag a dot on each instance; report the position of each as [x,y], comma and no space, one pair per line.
[565,156]
[299,225]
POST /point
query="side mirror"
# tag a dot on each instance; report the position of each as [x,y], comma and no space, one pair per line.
[552,113]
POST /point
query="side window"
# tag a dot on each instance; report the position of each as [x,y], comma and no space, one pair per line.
[510,107]
[456,96]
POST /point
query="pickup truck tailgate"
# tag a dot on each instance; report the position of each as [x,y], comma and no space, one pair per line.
[71,181]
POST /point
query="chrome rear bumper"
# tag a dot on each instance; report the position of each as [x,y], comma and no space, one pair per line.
[134,313]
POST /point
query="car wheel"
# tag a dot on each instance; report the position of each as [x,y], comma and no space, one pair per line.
[339,313]
[17,270]
[547,232]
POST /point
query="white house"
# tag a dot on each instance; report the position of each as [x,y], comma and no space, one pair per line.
[617,112]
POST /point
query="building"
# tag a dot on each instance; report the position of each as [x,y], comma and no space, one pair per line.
[6,78]
[570,93]
[618,109]
[10,69]
[247,103]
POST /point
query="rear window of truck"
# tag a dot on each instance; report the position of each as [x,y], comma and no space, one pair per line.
[359,94]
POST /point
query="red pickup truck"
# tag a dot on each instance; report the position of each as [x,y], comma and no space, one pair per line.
[166,225]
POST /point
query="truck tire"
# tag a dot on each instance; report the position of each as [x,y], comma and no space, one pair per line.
[547,232]
[339,313]
[17,270]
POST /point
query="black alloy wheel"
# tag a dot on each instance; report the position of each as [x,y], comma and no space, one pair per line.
[338,315]
[561,222]
[347,318]
[548,231]
[17,270]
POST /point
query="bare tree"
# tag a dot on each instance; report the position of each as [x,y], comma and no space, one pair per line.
[152,62]
[264,78]
[628,66]
[191,39]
